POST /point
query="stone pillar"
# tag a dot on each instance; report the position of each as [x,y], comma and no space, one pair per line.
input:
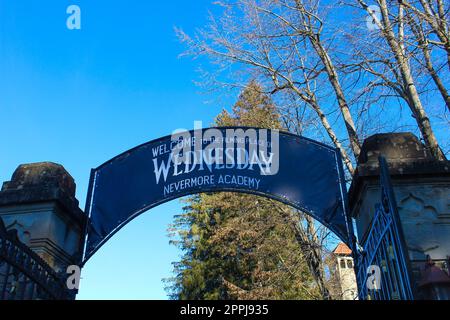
[422,190]
[39,202]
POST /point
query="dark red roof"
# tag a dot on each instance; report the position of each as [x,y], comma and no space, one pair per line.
[342,249]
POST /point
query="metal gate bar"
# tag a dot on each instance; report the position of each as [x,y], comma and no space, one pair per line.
[385,248]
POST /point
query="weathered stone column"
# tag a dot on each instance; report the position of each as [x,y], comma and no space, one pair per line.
[422,190]
[39,202]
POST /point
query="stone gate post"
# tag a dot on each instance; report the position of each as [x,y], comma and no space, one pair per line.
[39,202]
[422,191]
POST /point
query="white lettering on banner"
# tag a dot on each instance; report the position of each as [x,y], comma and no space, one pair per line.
[240,149]
[213,150]
[230,180]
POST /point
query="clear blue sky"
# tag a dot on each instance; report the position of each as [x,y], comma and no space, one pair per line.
[80,97]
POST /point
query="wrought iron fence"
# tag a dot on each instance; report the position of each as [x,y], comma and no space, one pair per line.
[384,248]
[24,275]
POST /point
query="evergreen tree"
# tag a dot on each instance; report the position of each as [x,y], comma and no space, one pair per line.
[239,246]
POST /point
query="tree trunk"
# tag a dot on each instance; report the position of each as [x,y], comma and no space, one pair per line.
[437,23]
[425,46]
[311,247]
[437,80]
[340,96]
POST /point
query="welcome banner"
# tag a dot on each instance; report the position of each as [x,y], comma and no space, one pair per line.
[295,170]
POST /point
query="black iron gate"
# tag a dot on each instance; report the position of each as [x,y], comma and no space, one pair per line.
[383,272]
[24,275]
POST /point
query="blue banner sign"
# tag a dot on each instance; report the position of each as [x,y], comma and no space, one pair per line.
[295,170]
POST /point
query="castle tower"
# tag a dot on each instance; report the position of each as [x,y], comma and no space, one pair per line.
[346,279]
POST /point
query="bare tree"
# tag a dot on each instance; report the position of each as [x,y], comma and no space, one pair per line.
[310,237]
[281,41]
[422,37]
[435,14]
[404,84]
[306,20]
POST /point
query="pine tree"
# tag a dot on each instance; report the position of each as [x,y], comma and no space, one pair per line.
[239,246]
